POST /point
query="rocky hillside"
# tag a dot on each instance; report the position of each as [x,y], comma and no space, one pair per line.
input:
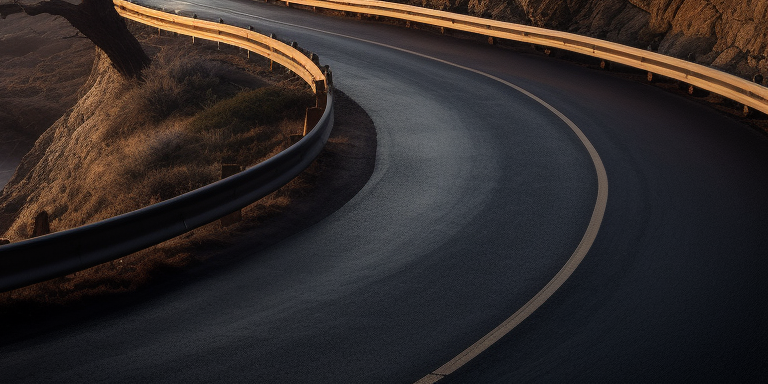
[728,34]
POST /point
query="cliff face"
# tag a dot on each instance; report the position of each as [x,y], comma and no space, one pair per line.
[731,35]
[42,69]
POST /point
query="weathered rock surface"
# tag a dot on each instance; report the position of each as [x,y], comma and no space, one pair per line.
[43,65]
[731,35]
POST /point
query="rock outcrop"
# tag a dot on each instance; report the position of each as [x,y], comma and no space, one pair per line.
[731,35]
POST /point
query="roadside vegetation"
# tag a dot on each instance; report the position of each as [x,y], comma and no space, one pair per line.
[130,143]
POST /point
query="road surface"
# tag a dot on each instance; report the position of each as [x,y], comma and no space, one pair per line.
[478,198]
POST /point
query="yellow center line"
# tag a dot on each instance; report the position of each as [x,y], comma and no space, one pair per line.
[565,272]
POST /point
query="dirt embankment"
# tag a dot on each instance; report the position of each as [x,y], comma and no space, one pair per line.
[123,145]
[128,144]
[44,63]
[728,34]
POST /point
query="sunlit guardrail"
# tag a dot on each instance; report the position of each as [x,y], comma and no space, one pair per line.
[730,86]
[262,45]
[60,253]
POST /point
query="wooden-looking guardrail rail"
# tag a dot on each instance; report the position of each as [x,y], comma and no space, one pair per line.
[61,253]
[255,42]
[733,87]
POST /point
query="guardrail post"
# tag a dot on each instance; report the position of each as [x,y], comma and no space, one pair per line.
[311,118]
[272,62]
[747,111]
[295,46]
[693,90]
[491,40]
[605,64]
[42,226]
[248,51]
[328,76]
[218,43]
[194,16]
[321,98]
[228,170]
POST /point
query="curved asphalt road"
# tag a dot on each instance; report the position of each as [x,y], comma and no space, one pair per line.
[478,197]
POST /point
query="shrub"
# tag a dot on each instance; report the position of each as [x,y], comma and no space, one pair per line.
[263,106]
[176,84]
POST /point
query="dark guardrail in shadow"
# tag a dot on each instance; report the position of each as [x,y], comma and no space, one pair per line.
[65,252]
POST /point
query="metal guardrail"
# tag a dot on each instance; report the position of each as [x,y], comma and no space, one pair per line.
[733,87]
[265,46]
[61,253]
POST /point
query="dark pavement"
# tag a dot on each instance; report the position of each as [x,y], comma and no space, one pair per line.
[479,196]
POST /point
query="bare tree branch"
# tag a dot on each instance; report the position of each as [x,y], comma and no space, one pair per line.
[98,21]
[52,7]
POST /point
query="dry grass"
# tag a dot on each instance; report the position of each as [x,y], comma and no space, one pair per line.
[127,145]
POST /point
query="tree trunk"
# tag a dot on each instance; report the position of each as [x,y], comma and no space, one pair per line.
[98,21]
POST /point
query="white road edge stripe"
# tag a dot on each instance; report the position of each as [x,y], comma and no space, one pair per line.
[565,272]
